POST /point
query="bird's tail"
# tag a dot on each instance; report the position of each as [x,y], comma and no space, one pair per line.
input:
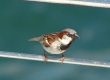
[35,39]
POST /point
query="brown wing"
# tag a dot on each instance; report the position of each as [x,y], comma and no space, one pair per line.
[49,39]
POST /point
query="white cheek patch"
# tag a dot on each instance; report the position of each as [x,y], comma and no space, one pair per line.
[65,40]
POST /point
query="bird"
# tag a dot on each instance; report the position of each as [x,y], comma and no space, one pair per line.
[56,42]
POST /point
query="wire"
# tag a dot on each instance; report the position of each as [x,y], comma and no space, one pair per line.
[93,3]
[53,59]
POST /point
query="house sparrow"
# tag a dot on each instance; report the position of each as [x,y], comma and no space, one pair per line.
[57,42]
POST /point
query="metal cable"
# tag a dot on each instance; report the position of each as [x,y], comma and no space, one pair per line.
[54,59]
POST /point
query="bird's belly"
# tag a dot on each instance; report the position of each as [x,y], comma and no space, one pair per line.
[54,48]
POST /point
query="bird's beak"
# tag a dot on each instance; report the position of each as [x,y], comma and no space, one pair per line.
[76,36]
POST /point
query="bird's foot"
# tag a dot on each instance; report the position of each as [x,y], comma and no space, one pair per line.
[45,57]
[62,58]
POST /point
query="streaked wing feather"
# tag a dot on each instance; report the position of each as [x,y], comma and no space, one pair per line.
[49,39]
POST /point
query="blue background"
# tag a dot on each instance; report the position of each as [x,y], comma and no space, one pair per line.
[20,21]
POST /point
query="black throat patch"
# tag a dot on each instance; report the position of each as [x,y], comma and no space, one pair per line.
[64,47]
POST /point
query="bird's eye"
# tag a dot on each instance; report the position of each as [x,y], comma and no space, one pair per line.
[69,35]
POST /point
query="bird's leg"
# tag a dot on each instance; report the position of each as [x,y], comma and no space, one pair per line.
[45,57]
[62,58]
